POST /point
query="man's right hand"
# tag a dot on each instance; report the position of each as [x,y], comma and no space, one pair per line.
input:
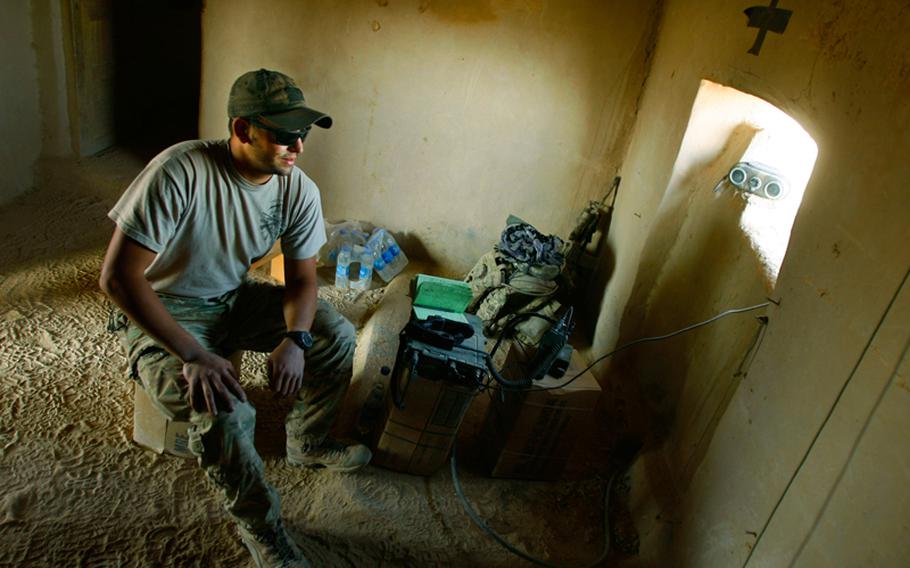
[211,378]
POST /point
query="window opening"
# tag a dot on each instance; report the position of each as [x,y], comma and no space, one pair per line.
[771,174]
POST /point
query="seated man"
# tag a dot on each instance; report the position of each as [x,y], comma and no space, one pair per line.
[187,230]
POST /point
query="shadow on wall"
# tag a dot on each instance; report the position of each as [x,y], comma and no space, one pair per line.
[694,251]
[414,247]
[682,386]
[593,280]
[712,247]
[697,261]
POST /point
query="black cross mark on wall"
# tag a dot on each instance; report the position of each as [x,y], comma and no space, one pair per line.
[766,18]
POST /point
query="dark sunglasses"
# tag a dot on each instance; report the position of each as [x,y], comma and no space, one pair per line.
[281,136]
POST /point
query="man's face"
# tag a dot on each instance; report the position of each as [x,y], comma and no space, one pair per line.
[266,154]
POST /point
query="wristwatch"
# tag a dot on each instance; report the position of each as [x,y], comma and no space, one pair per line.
[303,339]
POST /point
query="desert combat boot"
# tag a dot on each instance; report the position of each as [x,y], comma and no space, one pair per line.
[332,454]
[273,548]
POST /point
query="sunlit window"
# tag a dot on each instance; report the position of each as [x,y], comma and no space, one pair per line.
[778,162]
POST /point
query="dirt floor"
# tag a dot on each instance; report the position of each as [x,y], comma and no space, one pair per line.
[76,491]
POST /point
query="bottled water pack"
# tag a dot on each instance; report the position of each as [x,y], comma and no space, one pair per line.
[357,260]
[388,258]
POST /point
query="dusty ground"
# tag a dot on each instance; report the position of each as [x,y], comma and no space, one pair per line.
[76,491]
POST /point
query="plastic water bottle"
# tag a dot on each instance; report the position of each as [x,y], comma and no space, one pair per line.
[343,267]
[379,266]
[363,257]
[399,260]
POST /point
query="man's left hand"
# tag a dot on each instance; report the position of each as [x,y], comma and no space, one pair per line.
[285,368]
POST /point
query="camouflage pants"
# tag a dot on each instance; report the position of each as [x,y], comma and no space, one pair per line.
[250,318]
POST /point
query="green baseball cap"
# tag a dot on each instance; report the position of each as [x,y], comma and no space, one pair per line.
[273,94]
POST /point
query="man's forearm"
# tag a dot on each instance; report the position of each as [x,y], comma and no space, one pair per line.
[300,304]
[136,298]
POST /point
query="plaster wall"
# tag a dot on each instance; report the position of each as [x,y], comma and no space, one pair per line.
[790,458]
[448,115]
[20,121]
[35,101]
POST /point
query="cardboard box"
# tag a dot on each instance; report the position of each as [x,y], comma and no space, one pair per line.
[531,434]
[155,431]
[418,439]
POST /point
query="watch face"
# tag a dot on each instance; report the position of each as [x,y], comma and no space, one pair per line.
[302,338]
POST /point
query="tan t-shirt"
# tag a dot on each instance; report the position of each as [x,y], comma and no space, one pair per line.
[208,224]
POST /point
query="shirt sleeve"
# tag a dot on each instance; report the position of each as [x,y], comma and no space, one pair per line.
[150,208]
[305,233]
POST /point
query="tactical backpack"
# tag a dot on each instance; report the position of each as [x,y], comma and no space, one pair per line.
[520,275]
